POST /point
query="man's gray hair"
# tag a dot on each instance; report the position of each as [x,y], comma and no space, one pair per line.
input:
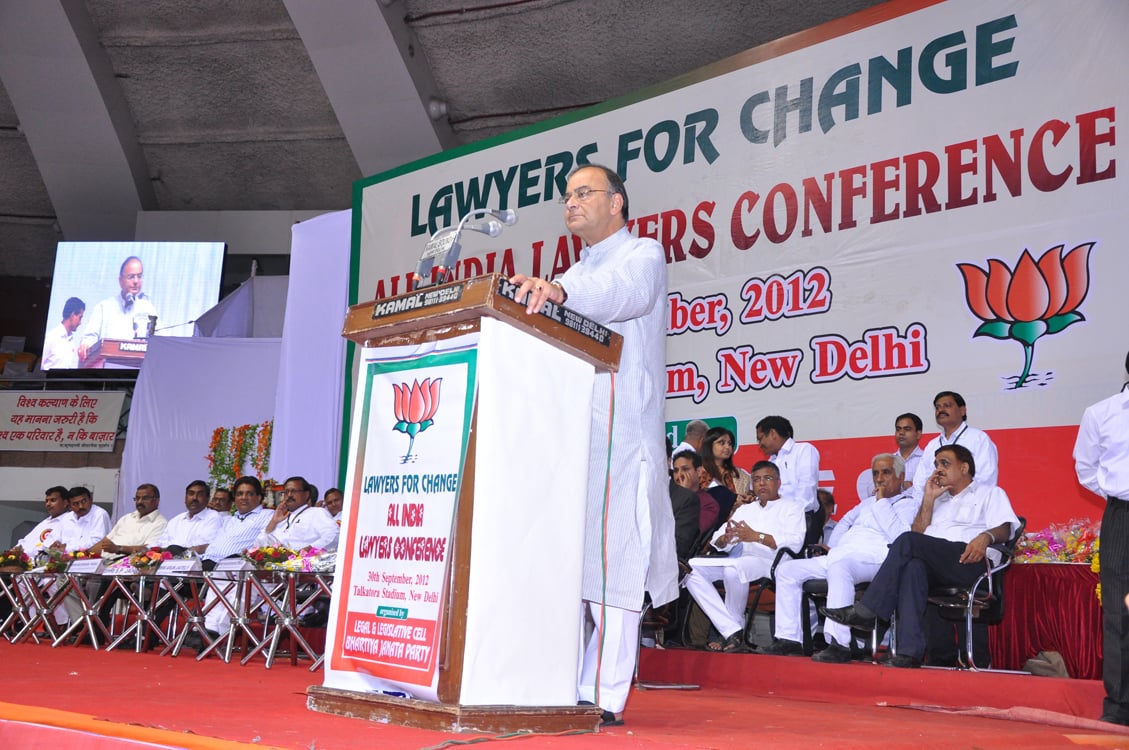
[899,462]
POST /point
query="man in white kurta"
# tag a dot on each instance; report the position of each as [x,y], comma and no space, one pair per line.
[907,435]
[858,546]
[296,524]
[956,523]
[752,537]
[952,417]
[619,282]
[123,316]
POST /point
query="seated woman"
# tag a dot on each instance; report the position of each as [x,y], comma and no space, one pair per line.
[718,468]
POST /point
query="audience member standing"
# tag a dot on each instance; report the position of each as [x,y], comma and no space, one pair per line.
[1101,460]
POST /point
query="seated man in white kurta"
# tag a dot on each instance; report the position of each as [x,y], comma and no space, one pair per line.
[752,536]
[858,547]
[296,523]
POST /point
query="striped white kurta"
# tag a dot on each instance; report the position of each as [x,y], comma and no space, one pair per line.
[621,283]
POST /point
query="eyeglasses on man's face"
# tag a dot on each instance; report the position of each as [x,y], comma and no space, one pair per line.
[581,193]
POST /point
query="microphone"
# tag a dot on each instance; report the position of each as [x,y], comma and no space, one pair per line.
[174,325]
[445,242]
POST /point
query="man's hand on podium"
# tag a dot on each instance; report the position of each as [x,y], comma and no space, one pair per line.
[539,292]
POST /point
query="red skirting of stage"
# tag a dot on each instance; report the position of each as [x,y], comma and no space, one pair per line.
[81,698]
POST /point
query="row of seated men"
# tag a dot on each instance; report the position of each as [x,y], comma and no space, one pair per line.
[911,530]
[215,528]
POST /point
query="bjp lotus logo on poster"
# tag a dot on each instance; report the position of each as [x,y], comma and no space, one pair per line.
[1031,300]
[415,406]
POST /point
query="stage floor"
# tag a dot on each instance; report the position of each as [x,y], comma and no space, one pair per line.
[746,699]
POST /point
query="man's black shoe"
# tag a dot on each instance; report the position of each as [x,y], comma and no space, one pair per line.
[848,616]
[782,647]
[905,661]
[833,654]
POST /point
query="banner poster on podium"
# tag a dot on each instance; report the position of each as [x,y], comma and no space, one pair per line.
[407,455]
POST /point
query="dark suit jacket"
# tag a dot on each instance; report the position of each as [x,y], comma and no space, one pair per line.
[686,509]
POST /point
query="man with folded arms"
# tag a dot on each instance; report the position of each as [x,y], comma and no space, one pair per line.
[752,536]
[946,546]
[858,546]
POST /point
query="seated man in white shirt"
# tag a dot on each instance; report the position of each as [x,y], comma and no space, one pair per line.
[752,536]
[197,526]
[46,534]
[907,436]
[86,524]
[192,531]
[134,532]
[857,548]
[947,544]
[296,524]
[334,503]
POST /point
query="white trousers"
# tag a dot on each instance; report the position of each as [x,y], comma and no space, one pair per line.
[605,674]
[728,615]
[842,569]
[218,618]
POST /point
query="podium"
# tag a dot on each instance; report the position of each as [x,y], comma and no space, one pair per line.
[116,352]
[506,627]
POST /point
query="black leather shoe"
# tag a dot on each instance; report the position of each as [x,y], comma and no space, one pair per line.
[848,616]
[833,654]
[905,661]
[782,647]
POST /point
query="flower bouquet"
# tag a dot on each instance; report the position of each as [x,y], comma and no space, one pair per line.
[14,560]
[268,558]
[309,560]
[150,558]
[1073,542]
[58,559]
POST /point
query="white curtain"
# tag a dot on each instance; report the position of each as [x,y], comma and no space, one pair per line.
[307,426]
[187,388]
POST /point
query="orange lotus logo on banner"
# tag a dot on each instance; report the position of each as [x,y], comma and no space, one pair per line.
[1035,299]
[415,407]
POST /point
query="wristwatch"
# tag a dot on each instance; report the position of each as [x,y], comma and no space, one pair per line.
[762,537]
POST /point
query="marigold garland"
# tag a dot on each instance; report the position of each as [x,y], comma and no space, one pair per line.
[232,448]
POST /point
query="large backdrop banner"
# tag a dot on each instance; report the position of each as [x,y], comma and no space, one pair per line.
[921,197]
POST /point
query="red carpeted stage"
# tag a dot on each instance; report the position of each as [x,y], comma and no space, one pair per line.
[76,697]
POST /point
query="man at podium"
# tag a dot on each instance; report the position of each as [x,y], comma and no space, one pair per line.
[125,315]
[619,282]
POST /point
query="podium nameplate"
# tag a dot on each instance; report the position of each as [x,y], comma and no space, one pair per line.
[455,308]
[125,352]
